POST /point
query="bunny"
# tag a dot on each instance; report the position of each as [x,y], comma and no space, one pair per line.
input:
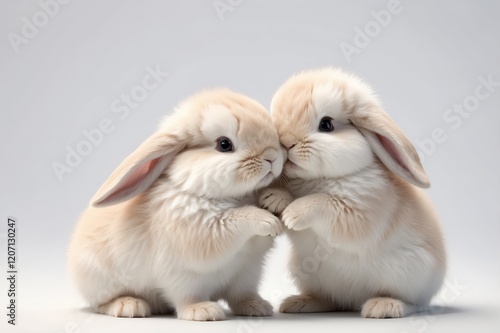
[176,226]
[364,235]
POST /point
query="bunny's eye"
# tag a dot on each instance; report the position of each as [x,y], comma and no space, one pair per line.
[224,145]
[326,124]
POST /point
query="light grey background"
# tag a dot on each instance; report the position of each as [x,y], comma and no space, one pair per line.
[65,79]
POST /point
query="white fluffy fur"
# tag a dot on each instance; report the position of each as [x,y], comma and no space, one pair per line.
[362,237]
[192,236]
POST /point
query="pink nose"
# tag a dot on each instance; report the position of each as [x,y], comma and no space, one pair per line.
[289,146]
[270,161]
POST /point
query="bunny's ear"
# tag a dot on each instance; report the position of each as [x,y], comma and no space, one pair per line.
[139,170]
[391,146]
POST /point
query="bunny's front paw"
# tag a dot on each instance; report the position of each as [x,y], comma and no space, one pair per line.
[295,216]
[275,200]
[266,224]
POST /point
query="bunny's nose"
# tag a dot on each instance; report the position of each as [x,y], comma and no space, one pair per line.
[288,147]
[270,156]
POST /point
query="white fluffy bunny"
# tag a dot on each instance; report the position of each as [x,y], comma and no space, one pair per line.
[175,227]
[364,237]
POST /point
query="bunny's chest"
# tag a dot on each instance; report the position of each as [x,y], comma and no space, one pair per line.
[301,188]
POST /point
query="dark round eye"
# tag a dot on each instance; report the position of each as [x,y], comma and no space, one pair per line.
[326,124]
[224,144]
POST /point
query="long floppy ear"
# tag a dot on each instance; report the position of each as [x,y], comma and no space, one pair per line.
[139,170]
[391,146]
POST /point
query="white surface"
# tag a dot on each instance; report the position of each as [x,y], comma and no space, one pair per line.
[66,79]
[465,315]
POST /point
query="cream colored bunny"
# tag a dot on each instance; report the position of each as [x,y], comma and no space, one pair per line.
[364,236]
[175,227]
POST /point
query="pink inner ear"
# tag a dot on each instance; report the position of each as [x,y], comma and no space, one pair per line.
[135,177]
[393,151]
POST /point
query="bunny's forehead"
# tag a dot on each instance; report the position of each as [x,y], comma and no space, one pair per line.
[327,99]
[223,112]
[218,120]
[304,99]
[243,124]
[299,109]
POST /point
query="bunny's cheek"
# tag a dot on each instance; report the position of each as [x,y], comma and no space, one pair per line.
[266,180]
[291,173]
[292,170]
